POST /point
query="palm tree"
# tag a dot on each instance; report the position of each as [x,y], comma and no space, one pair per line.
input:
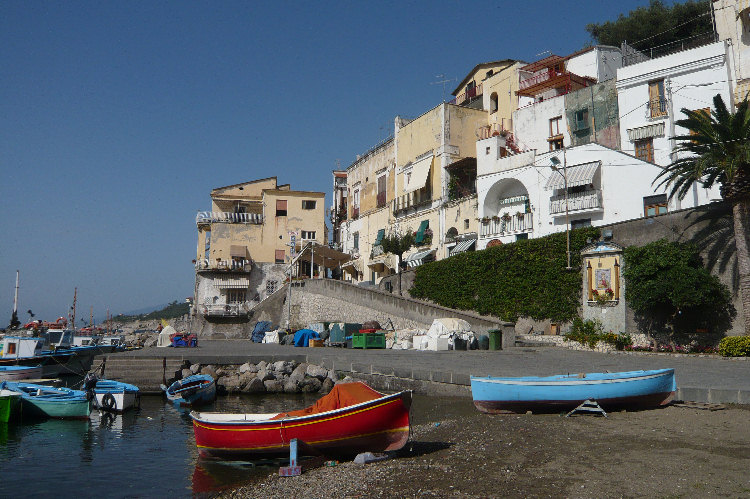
[717,151]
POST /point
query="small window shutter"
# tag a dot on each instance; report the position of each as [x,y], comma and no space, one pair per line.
[420,233]
[280,255]
[281,204]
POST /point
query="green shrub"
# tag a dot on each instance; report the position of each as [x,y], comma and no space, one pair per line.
[526,278]
[735,346]
[590,332]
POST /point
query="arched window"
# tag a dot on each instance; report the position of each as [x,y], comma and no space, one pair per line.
[493,102]
[451,234]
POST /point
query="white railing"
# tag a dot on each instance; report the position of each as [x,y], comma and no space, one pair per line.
[229,217]
[500,227]
[586,200]
[225,310]
[206,264]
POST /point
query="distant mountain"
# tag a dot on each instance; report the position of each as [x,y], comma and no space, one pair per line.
[169,311]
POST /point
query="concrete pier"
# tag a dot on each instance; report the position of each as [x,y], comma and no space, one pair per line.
[706,379]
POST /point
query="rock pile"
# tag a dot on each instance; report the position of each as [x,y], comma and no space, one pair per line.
[264,377]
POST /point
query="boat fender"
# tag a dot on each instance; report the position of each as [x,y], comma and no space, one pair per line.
[108,401]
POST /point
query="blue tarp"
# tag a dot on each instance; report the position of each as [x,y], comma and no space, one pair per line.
[260,331]
[303,336]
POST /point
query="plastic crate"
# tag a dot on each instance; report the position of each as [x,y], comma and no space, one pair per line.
[368,340]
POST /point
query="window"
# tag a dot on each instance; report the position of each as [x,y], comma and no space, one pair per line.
[381,191]
[489,73]
[493,102]
[555,134]
[487,151]
[236,295]
[466,224]
[356,240]
[644,149]
[582,119]
[308,234]
[280,256]
[657,101]
[520,237]
[11,348]
[581,222]
[271,287]
[654,205]
[281,207]
[308,204]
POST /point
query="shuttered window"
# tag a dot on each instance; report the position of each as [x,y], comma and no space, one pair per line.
[280,256]
[281,207]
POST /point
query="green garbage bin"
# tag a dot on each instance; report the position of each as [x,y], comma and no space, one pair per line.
[496,339]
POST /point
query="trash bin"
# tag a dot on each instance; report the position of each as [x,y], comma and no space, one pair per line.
[484,342]
[496,339]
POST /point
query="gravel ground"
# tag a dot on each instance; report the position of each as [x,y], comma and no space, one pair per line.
[458,452]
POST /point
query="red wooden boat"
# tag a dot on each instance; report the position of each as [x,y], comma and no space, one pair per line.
[353,418]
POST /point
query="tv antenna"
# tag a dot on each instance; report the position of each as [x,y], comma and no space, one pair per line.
[443,82]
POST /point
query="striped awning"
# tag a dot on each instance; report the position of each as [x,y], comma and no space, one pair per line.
[462,246]
[576,175]
[645,132]
[232,283]
[418,258]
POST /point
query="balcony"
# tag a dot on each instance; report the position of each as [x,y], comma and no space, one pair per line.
[208,217]
[537,79]
[225,310]
[657,107]
[577,201]
[415,200]
[500,227]
[467,96]
[224,265]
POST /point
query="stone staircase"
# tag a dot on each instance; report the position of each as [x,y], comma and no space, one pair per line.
[145,373]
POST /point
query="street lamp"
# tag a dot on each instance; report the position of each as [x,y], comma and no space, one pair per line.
[555,165]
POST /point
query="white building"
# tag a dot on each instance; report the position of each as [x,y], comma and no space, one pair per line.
[651,95]
[522,196]
[732,19]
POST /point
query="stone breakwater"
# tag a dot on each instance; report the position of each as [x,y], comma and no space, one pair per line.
[265,377]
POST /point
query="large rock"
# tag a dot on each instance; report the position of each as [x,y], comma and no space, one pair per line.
[310,385]
[185,373]
[333,376]
[327,385]
[210,371]
[195,368]
[230,383]
[283,367]
[245,378]
[273,386]
[255,386]
[248,368]
[265,375]
[317,371]
[262,365]
[298,375]
[291,386]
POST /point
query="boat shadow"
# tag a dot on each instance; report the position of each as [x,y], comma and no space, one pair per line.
[421,448]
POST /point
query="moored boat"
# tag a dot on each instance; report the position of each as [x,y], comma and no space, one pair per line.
[191,391]
[114,396]
[352,418]
[50,402]
[28,351]
[13,373]
[10,405]
[628,390]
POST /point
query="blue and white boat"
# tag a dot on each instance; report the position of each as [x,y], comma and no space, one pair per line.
[29,351]
[628,390]
[191,391]
[15,373]
[110,395]
[50,402]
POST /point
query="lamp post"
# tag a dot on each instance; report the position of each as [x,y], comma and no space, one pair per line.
[555,165]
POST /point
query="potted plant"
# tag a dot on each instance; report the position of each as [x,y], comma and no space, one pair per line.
[485,220]
[602,297]
[506,217]
[495,218]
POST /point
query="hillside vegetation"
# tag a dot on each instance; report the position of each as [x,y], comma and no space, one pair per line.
[171,311]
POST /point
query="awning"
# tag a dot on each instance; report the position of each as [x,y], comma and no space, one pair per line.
[418,258]
[377,264]
[419,173]
[352,267]
[645,132]
[577,175]
[323,255]
[238,251]
[462,246]
[232,283]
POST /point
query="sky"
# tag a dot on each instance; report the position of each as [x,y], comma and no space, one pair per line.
[117,119]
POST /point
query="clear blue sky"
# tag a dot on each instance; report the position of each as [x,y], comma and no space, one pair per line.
[118,118]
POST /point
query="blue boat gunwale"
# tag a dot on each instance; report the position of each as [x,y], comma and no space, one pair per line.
[577,378]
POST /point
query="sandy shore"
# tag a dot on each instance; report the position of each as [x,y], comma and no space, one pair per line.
[458,452]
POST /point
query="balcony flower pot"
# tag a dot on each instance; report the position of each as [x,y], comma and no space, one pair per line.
[506,217]
[496,218]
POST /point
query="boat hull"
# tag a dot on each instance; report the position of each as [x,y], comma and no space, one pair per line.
[376,426]
[12,373]
[10,405]
[192,391]
[50,402]
[628,390]
[122,396]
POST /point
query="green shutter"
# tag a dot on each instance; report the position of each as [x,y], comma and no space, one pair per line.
[379,239]
[420,233]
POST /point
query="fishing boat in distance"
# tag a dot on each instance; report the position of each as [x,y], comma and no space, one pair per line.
[50,402]
[626,390]
[352,418]
[191,391]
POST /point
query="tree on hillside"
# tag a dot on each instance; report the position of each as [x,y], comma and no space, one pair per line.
[670,291]
[717,151]
[655,25]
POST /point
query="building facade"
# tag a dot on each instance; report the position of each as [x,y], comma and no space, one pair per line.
[244,251]
[732,18]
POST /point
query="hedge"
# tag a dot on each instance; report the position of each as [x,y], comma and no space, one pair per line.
[735,346]
[526,278]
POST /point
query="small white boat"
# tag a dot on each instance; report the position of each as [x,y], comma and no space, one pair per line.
[110,395]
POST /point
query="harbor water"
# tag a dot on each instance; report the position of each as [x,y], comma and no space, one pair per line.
[147,452]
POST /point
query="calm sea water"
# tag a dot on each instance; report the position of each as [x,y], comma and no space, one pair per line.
[143,453]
